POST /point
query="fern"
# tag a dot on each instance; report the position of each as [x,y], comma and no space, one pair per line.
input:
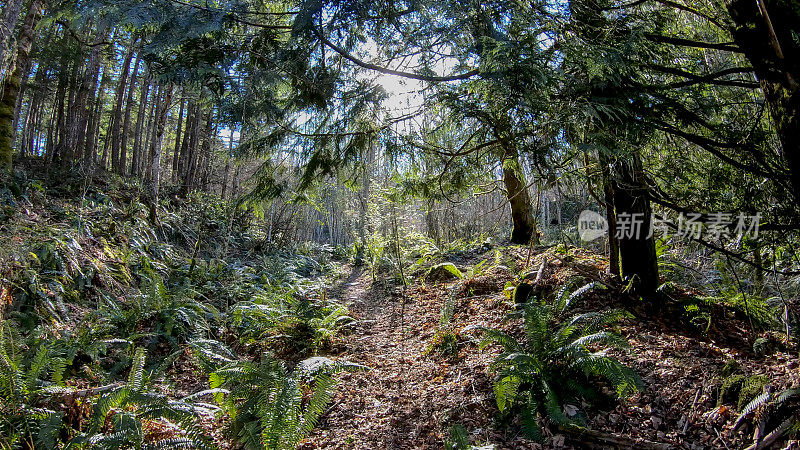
[159,312]
[770,408]
[26,396]
[552,365]
[22,385]
[303,323]
[133,404]
[459,438]
[266,402]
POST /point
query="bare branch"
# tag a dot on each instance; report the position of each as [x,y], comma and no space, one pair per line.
[385,70]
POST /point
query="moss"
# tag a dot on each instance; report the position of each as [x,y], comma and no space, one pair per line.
[8,102]
[731,367]
[741,389]
[729,391]
[751,388]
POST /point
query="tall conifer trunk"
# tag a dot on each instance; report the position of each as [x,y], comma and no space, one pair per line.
[637,252]
[9,91]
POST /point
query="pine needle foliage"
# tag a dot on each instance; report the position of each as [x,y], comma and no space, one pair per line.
[553,368]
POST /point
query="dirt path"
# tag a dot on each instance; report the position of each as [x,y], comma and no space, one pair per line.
[411,399]
[408,399]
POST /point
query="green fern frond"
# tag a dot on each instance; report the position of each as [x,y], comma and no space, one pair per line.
[38,365]
[578,294]
[529,419]
[493,336]
[505,391]
[267,403]
[754,404]
[554,362]
[786,395]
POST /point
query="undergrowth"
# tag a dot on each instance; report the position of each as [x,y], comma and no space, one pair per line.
[547,374]
[101,308]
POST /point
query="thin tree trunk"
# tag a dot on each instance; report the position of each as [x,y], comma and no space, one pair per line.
[193,152]
[228,168]
[363,201]
[85,104]
[140,120]
[92,141]
[208,151]
[183,157]
[126,121]
[176,150]
[162,108]
[611,214]
[117,165]
[141,153]
[236,180]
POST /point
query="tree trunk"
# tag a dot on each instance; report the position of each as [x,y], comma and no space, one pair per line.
[10,16]
[92,141]
[11,85]
[637,251]
[85,98]
[766,31]
[117,165]
[140,132]
[140,154]
[176,150]
[192,150]
[126,121]
[183,156]
[228,158]
[519,199]
[154,170]
[208,150]
[35,114]
[363,201]
[611,214]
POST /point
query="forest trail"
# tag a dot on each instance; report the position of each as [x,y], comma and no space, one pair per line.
[409,398]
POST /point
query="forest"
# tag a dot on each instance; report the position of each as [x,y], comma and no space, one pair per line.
[410,224]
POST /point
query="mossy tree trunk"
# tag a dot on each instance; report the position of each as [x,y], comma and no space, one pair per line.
[519,199]
[8,22]
[11,85]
